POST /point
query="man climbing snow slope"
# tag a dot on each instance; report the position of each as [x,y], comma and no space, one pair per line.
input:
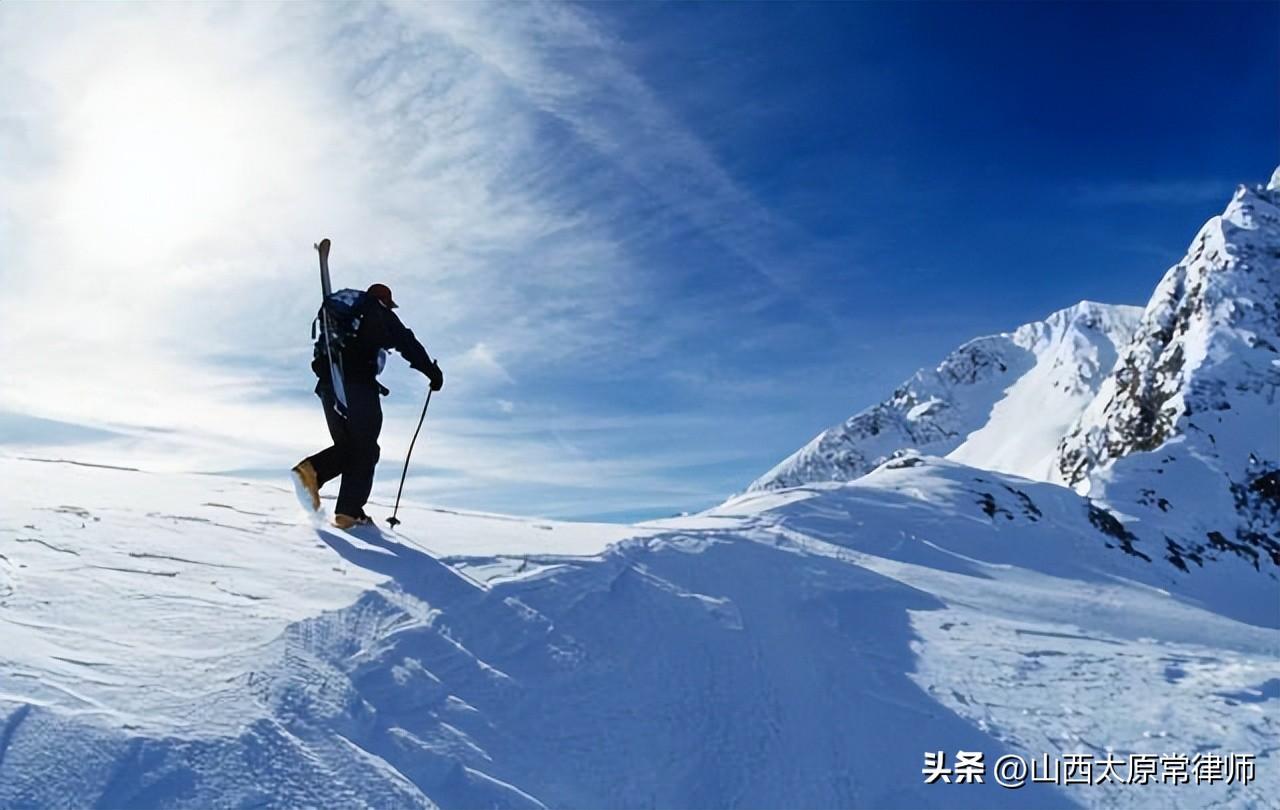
[374,329]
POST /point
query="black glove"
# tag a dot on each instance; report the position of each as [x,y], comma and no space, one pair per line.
[436,376]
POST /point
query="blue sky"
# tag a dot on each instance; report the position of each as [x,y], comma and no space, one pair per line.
[656,247]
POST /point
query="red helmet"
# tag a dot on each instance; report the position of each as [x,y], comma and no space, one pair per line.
[383,293]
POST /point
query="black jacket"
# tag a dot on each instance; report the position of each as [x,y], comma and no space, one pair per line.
[380,329]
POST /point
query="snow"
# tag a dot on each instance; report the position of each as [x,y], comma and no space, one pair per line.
[191,641]
[187,641]
[236,560]
[1074,349]
[1002,402]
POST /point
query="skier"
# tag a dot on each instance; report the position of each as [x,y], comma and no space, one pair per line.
[355,428]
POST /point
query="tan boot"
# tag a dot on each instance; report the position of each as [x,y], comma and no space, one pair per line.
[345,521]
[307,485]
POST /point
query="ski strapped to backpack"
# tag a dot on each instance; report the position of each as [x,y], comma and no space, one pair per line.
[328,349]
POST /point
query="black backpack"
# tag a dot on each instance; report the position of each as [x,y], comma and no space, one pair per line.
[336,325]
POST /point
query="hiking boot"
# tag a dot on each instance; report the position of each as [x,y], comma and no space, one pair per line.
[306,485]
[350,521]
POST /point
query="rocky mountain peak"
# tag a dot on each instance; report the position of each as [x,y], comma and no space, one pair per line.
[1188,421]
[1208,332]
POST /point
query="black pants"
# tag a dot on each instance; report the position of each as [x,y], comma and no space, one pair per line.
[355,451]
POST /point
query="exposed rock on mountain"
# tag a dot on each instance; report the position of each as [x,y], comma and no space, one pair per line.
[1189,420]
[1000,402]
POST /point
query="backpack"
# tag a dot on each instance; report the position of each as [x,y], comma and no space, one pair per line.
[338,323]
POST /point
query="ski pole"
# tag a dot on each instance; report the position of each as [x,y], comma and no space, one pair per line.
[393,521]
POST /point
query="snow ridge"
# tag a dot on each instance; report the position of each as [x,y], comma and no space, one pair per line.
[1000,402]
[229,653]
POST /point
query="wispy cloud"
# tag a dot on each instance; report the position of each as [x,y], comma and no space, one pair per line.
[167,168]
[568,67]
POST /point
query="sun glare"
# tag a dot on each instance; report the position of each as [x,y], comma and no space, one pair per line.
[157,163]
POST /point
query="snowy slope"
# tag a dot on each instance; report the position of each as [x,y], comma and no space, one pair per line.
[189,641]
[193,641]
[1186,430]
[1001,402]
[147,619]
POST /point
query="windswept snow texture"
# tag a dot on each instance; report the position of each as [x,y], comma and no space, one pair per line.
[186,641]
[1001,402]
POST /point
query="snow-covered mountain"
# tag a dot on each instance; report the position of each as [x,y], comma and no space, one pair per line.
[1001,402]
[1188,423]
[1169,414]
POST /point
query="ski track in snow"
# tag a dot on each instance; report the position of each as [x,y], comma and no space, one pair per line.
[794,648]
